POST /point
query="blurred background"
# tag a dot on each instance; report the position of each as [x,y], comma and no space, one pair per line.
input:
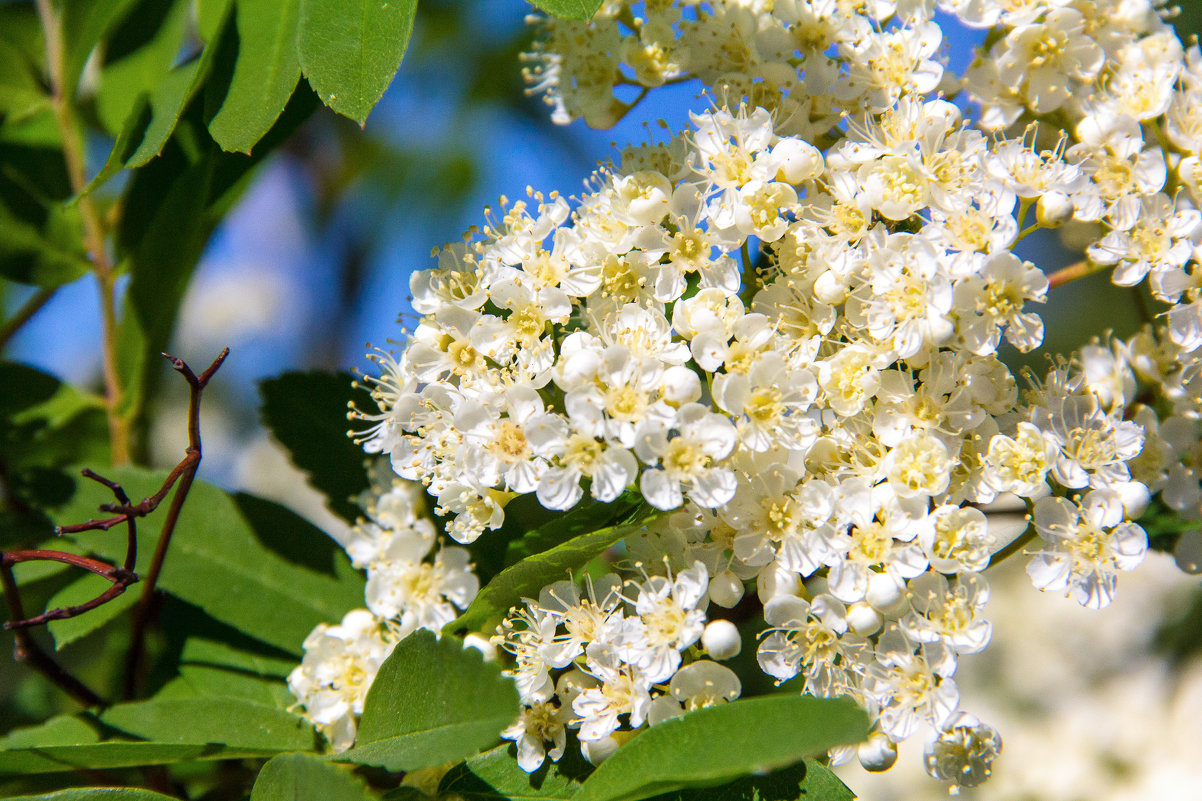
[315,262]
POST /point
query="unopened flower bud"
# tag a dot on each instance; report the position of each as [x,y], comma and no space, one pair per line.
[885,593]
[1054,209]
[863,619]
[726,589]
[721,639]
[877,753]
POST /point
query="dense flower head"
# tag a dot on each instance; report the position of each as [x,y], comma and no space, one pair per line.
[782,330]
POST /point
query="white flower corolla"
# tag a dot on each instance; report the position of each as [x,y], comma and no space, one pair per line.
[919,465]
[911,686]
[962,752]
[668,621]
[1086,543]
[574,456]
[686,458]
[704,683]
[423,595]
[622,689]
[1163,239]
[957,540]
[540,723]
[994,298]
[1042,57]
[1092,445]
[849,379]
[498,448]
[897,186]
[594,617]
[908,301]
[339,666]
[812,639]
[948,613]
[769,404]
[1019,464]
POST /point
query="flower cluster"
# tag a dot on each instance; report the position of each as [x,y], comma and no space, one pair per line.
[782,326]
[411,585]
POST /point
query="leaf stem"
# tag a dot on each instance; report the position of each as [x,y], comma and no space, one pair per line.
[1014,547]
[1072,272]
[28,309]
[95,235]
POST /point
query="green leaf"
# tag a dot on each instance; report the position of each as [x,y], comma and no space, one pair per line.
[68,743]
[85,588]
[433,702]
[212,668]
[306,412]
[586,517]
[495,775]
[247,562]
[299,777]
[49,253]
[569,9]
[526,578]
[265,74]
[232,722]
[97,794]
[138,57]
[351,49]
[85,23]
[714,745]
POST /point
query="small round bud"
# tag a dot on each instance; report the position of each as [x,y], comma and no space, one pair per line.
[1188,553]
[1054,209]
[885,593]
[877,753]
[863,619]
[721,639]
[726,589]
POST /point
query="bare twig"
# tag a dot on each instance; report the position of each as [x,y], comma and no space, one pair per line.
[26,650]
[185,471]
[124,512]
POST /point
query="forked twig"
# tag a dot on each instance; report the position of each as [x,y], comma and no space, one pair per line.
[123,512]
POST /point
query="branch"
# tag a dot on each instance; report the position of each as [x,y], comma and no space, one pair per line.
[185,472]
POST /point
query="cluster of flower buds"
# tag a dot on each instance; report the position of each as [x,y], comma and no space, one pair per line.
[781,328]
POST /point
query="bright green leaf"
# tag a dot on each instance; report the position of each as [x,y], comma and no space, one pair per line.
[265,74]
[68,743]
[569,9]
[714,745]
[85,24]
[247,562]
[433,701]
[298,777]
[138,57]
[351,49]
[97,794]
[526,578]
[306,412]
[82,589]
[231,722]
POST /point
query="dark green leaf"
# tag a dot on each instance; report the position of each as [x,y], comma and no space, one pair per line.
[299,777]
[232,722]
[433,702]
[495,775]
[761,734]
[306,412]
[265,75]
[806,781]
[569,9]
[21,56]
[588,516]
[351,49]
[247,562]
[85,588]
[97,794]
[526,578]
[48,254]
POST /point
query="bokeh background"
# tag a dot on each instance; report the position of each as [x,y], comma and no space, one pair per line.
[315,262]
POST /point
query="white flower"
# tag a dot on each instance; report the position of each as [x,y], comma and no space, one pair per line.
[687,460]
[1086,544]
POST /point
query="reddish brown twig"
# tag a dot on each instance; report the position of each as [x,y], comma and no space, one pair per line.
[185,472]
[126,513]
